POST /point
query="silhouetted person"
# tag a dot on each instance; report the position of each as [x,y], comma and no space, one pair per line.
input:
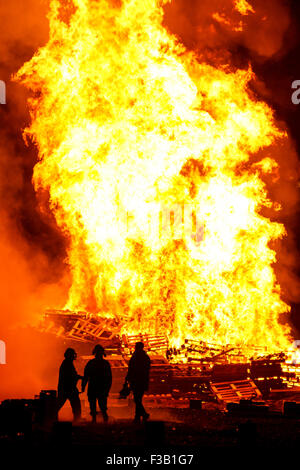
[67,384]
[138,378]
[97,374]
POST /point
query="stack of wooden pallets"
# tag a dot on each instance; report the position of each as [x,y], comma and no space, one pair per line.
[233,392]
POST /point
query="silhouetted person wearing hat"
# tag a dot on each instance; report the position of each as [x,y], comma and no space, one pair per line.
[138,378]
[67,384]
[97,374]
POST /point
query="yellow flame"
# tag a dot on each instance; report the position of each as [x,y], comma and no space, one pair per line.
[125,119]
[243,7]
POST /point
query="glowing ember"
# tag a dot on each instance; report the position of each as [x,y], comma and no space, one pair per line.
[125,119]
[243,7]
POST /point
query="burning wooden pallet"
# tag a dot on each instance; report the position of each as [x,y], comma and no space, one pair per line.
[81,326]
[203,351]
[233,392]
[87,330]
[90,328]
[151,342]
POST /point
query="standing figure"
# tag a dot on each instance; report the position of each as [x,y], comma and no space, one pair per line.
[138,378]
[67,384]
[97,374]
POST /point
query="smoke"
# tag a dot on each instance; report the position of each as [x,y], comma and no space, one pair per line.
[215,25]
[22,300]
[31,249]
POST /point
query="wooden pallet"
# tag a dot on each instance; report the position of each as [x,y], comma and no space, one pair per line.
[151,342]
[233,392]
[80,326]
[86,330]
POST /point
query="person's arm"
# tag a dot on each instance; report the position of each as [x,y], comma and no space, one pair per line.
[79,377]
[147,364]
[60,378]
[109,377]
[67,373]
[76,375]
[85,377]
[129,371]
[147,368]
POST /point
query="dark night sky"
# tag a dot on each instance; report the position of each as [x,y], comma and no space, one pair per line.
[278,75]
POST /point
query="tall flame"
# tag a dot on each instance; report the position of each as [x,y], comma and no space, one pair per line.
[126,119]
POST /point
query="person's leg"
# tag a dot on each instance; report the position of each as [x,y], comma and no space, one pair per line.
[61,400]
[92,402]
[142,409]
[102,401]
[76,406]
[139,409]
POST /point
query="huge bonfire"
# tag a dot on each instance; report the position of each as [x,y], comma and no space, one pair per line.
[142,146]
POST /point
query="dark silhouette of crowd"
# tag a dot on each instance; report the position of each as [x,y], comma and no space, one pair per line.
[98,377]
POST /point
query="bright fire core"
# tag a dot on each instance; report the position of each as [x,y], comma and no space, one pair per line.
[125,118]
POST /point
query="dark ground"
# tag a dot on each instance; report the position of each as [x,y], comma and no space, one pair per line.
[194,428]
[207,428]
[204,439]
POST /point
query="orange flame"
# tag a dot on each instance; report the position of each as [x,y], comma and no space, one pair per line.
[243,7]
[126,119]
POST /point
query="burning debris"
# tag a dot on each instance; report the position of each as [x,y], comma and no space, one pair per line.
[125,118]
[80,326]
[208,371]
